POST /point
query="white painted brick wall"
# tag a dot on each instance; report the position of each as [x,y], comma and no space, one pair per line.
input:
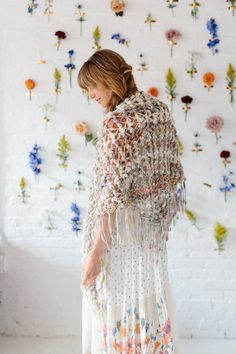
[40,293]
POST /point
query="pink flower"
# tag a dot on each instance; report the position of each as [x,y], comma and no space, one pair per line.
[214,123]
[172,34]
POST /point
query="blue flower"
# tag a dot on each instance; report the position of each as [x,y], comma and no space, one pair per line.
[115,36]
[212,27]
[35,160]
[71,52]
[75,220]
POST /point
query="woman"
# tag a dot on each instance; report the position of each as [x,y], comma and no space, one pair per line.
[138,187]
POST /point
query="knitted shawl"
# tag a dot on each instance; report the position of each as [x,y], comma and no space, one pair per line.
[138,182]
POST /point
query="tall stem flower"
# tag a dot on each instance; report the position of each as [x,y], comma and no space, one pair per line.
[172,35]
[191,63]
[171,4]
[35,160]
[57,80]
[170,87]
[220,234]
[215,124]
[48,8]
[150,20]
[228,185]
[70,66]
[80,16]
[187,100]
[63,152]
[195,7]
[232,6]
[231,80]
[214,41]
[96,38]
[30,85]
[23,195]
[76,219]
[60,35]
[47,109]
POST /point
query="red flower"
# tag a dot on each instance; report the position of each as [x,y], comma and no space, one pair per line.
[60,34]
[186,99]
[225,154]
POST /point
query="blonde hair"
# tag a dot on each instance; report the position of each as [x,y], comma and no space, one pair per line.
[110,69]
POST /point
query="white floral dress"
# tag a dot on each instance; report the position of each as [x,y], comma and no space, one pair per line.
[137,174]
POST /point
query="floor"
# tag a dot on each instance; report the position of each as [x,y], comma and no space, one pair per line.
[28,345]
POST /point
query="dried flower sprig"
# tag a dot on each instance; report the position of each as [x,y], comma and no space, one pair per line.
[171,4]
[197,146]
[231,80]
[31,6]
[35,160]
[57,80]
[220,234]
[215,124]
[190,66]
[70,66]
[232,6]
[153,91]
[79,185]
[142,66]
[76,219]
[187,100]
[150,20]
[23,195]
[195,8]
[63,151]
[60,35]
[208,80]
[180,146]
[228,185]
[80,16]
[225,154]
[170,87]
[30,85]
[191,217]
[81,128]
[117,6]
[47,110]
[214,41]
[48,8]
[96,38]
[56,188]
[119,39]
[50,220]
[172,36]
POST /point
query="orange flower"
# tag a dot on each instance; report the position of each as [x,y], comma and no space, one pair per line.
[208,79]
[156,345]
[81,128]
[123,331]
[117,6]
[30,84]
[137,328]
[153,91]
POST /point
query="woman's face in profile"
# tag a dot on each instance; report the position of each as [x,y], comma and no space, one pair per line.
[100,93]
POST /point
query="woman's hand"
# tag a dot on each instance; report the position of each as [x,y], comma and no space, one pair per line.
[92,268]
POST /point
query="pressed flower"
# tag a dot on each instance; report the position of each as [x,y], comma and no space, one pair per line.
[48,8]
[35,160]
[187,100]
[192,218]
[30,85]
[214,41]
[231,80]
[70,66]
[208,80]
[191,63]
[149,20]
[232,6]
[142,66]
[96,38]
[31,6]
[225,154]
[82,129]
[23,195]
[153,91]
[215,124]
[228,185]
[171,4]
[60,35]
[56,188]
[80,16]
[220,234]
[117,6]
[63,151]
[57,80]
[172,36]
[170,87]
[47,109]
[195,7]
[76,219]
[119,39]
[197,146]
[78,184]
[50,220]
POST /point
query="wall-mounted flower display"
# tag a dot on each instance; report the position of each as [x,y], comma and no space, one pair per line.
[220,234]
[78,184]
[231,80]
[76,219]
[225,154]
[186,100]
[232,6]
[57,80]
[214,40]
[215,124]
[47,110]
[63,152]
[56,189]
[208,80]
[228,185]
[81,128]
[117,6]
[191,217]
[172,36]
[35,160]
[170,87]
[30,85]
[119,39]
[171,4]
[197,147]
[96,38]
[70,66]
[153,91]
[142,65]
[31,6]
[60,35]
[195,8]
[48,8]
[150,20]
[180,146]
[190,66]
[80,16]
[50,219]
[23,195]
